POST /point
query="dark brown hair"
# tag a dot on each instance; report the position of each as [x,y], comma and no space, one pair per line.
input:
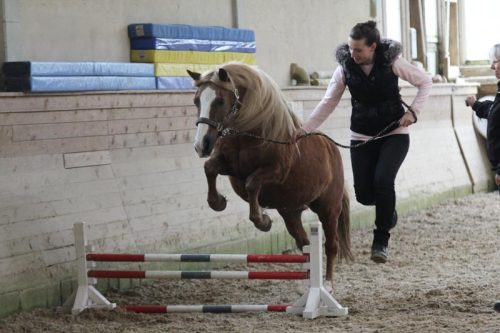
[366,30]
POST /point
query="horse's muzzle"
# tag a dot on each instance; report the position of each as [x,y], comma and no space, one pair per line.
[205,148]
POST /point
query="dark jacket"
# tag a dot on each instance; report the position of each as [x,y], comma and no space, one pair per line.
[491,111]
[375,98]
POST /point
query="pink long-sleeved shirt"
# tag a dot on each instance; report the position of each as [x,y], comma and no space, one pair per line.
[337,85]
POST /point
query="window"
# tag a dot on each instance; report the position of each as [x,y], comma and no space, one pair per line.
[482,28]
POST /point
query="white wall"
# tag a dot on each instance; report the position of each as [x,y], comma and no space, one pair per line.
[304,32]
[95,30]
[287,31]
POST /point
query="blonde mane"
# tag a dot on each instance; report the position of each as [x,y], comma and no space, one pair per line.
[264,110]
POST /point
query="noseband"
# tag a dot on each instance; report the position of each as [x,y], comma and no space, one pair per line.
[212,123]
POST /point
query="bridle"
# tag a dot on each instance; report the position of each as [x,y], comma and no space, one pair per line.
[223,131]
[219,126]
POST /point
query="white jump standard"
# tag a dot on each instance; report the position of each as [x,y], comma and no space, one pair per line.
[315,302]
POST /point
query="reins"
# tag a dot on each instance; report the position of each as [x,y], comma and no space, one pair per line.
[228,131]
[383,132]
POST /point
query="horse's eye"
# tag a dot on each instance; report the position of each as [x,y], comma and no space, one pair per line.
[196,101]
[218,101]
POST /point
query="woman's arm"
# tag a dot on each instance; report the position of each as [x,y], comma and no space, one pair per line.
[329,102]
[482,109]
[415,77]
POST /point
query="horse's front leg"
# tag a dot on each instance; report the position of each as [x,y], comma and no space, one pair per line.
[253,186]
[213,167]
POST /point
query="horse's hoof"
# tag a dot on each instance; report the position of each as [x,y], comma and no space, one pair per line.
[497,306]
[266,224]
[219,204]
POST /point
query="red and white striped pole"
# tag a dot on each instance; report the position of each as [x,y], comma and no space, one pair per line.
[235,258]
[206,308]
[178,275]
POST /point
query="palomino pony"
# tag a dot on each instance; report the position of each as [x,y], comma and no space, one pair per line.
[249,133]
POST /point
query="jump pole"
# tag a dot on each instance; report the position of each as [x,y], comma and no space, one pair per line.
[315,302]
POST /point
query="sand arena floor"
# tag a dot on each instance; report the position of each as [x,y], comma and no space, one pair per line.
[443,276]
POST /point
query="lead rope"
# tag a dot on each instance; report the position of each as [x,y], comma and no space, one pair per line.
[234,110]
[231,131]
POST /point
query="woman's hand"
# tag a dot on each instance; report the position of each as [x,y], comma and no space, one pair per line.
[407,119]
[497,179]
[470,100]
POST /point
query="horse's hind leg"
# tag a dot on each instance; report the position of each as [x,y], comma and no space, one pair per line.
[328,213]
[293,222]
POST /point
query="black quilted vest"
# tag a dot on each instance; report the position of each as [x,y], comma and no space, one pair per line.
[375,98]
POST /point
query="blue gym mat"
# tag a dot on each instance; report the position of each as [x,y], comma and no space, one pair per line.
[79,83]
[175,83]
[182,31]
[152,43]
[40,68]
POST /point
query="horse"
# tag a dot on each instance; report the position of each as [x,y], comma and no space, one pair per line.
[248,132]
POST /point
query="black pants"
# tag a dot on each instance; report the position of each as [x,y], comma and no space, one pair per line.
[375,166]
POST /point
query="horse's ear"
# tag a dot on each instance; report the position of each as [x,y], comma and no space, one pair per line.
[223,76]
[194,75]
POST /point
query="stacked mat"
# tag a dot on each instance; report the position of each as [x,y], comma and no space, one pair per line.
[33,76]
[173,48]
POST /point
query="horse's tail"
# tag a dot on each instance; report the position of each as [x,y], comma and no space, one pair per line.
[344,229]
